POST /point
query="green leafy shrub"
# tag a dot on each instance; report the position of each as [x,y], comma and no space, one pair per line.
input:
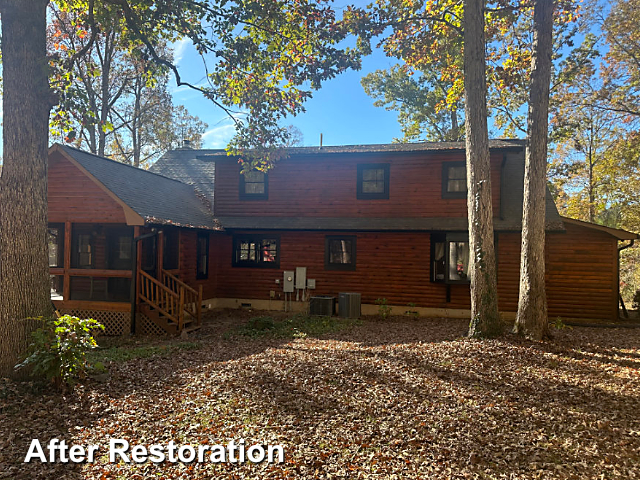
[58,349]
[559,323]
[384,310]
[261,323]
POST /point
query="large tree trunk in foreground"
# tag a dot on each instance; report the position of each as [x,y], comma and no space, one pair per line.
[24,266]
[531,320]
[485,319]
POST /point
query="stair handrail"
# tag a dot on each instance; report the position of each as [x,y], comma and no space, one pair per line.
[183,288]
[154,301]
[179,282]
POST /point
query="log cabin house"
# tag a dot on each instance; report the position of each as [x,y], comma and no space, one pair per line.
[386,221]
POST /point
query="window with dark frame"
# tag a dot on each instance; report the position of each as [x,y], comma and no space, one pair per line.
[171,249]
[120,248]
[373,181]
[450,258]
[82,250]
[454,180]
[202,255]
[257,251]
[55,240]
[254,185]
[340,252]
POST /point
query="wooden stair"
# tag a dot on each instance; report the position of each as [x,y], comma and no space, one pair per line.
[170,303]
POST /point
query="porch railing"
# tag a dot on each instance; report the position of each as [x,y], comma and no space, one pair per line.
[171,297]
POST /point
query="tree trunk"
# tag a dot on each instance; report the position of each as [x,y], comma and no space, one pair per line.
[485,319]
[24,266]
[531,319]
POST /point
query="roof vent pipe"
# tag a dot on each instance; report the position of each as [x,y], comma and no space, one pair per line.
[320,141]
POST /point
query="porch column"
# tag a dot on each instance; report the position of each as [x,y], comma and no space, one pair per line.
[160,253]
[66,285]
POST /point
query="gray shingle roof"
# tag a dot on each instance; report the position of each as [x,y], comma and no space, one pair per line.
[182,165]
[156,198]
[494,144]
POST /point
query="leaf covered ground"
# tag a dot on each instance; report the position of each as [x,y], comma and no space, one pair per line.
[400,399]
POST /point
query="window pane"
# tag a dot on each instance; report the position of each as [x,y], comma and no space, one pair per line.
[254,176]
[254,188]
[458,260]
[340,251]
[171,249]
[124,248]
[457,173]
[84,251]
[457,186]
[203,256]
[439,261]
[373,174]
[269,250]
[56,286]
[55,241]
[373,187]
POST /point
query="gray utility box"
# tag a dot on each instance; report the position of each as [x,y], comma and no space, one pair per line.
[349,305]
[324,305]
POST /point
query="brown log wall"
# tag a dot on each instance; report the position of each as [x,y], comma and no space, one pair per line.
[581,271]
[326,187]
[75,197]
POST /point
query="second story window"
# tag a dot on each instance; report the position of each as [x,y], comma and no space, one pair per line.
[373,181]
[454,180]
[254,185]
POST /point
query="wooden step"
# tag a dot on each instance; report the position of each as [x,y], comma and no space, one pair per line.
[192,328]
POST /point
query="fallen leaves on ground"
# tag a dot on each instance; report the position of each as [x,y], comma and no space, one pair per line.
[409,398]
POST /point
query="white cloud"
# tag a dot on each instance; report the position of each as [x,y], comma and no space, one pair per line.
[218,137]
[179,49]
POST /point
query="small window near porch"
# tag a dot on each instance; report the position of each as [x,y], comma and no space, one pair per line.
[454,180]
[171,249]
[120,248]
[202,256]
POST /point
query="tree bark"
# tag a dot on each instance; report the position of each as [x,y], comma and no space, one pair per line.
[531,320]
[24,266]
[485,318]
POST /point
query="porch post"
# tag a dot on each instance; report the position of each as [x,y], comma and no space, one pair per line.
[160,252]
[66,285]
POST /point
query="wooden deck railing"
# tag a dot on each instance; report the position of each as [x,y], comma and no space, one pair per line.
[171,297]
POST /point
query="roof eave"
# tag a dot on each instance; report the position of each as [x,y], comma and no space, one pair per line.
[619,233]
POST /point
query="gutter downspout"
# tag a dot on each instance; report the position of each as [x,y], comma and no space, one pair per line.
[134,276]
[620,249]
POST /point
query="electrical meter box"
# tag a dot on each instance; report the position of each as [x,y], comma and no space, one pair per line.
[287,285]
[301,278]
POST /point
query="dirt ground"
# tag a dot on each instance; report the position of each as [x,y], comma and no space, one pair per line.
[398,399]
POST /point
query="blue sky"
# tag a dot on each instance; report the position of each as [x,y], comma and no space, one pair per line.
[340,110]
